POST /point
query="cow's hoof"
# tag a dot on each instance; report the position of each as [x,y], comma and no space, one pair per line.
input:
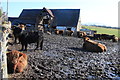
[14,43]
[25,50]
[21,50]
[35,49]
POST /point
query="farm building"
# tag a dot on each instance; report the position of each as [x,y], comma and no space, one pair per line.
[12,18]
[58,17]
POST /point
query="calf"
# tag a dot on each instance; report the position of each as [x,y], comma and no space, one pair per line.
[21,64]
[31,37]
[93,46]
[16,61]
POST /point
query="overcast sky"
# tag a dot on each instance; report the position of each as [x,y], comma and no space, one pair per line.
[104,12]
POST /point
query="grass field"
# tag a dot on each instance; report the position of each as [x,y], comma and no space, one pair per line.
[101,30]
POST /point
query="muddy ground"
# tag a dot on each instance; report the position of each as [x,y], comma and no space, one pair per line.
[62,57]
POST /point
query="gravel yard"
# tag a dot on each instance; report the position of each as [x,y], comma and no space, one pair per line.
[62,57]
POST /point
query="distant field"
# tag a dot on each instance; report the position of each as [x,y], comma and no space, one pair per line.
[104,30]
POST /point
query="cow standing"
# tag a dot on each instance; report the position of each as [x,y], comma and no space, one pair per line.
[16,32]
[31,37]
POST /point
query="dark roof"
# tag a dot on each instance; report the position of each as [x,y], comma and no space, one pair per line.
[66,17]
[12,18]
[63,17]
[29,16]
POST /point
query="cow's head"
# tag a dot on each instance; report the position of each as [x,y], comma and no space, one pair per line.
[86,38]
[13,57]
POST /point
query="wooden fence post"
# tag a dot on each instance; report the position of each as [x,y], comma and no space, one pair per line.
[4,32]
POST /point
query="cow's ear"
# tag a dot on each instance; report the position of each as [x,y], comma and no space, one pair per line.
[20,54]
[8,53]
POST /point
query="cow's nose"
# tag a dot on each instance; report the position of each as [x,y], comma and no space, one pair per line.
[17,70]
[14,62]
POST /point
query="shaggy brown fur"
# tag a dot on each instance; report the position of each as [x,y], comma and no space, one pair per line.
[17,61]
[21,64]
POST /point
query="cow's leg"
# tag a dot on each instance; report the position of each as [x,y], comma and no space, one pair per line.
[37,45]
[15,40]
[26,47]
[19,41]
[84,46]
[41,45]
[15,66]
[22,47]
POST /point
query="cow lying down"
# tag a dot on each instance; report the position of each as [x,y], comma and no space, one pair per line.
[58,31]
[16,61]
[31,37]
[93,46]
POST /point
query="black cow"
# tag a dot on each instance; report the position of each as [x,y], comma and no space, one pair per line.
[107,37]
[97,36]
[16,32]
[31,37]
